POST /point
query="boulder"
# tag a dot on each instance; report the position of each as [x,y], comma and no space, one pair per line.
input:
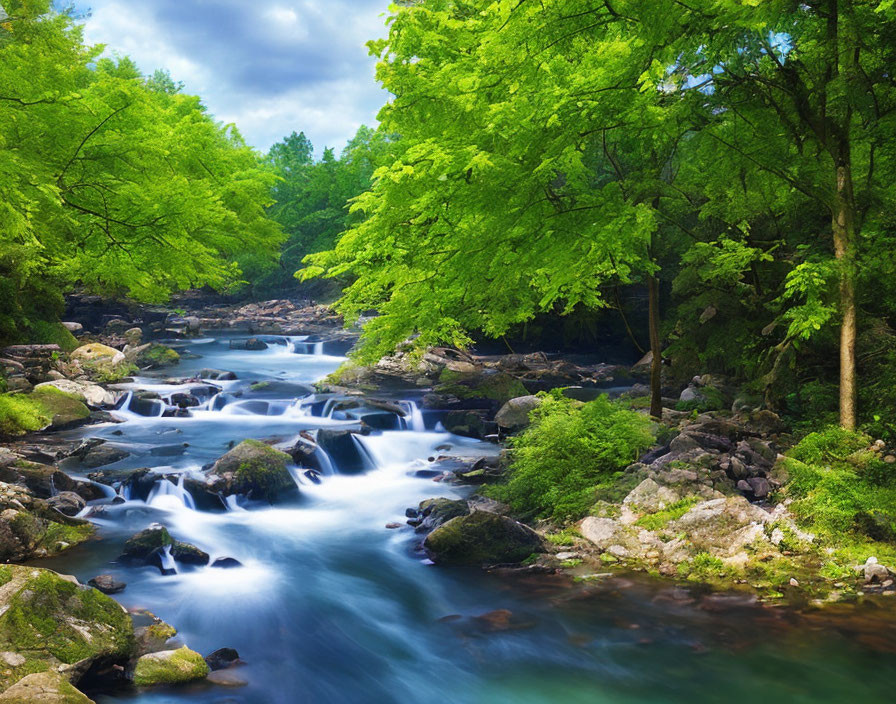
[651,497]
[55,624]
[435,512]
[95,455]
[107,584]
[256,470]
[144,548]
[514,415]
[156,356]
[67,503]
[31,528]
[222,658]
[64,410]
[92,394]
[722,526]
[170,667]
[481,538]
[44,687]
[102,362]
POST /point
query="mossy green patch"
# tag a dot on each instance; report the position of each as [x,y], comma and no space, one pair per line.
[499,387]
[159,356]
[170,667]
[49,620]
[660,519]
[59,536]
[20,414]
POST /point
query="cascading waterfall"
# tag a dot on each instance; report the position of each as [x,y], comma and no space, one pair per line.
[167,561]
[166,494]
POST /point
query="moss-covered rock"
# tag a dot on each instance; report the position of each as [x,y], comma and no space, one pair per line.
[44,687]
[50,622]
[45,407]
[155,356]
[65,410]
[435,512]
[102,363]
[85,391]
[256,470]
[30,528]
[170,667]
[144,548]
[481,538]
[495,386]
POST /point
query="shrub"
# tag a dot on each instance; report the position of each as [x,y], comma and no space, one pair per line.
[839,486]
[569,450]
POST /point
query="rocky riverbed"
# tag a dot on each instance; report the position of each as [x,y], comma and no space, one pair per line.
[196,467]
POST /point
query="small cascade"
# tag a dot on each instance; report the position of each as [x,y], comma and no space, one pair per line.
[166,561]
[232,503]
[323,460]
[416,420]
[318,348]
[166,494]
[364,452]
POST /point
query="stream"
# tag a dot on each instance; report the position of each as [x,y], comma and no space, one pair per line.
[330,606]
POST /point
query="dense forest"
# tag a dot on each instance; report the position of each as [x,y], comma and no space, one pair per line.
[609,289]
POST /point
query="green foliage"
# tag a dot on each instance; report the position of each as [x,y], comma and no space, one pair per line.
[113,182]
[569,449]
[312,197]
[840,487]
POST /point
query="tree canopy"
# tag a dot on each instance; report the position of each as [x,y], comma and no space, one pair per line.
[735,151]
[114,182]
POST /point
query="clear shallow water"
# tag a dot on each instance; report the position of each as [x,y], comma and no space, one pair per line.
[332,607]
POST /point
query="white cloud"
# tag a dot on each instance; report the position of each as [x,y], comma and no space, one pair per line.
[269,66]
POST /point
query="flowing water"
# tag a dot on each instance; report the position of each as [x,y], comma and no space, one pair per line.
[330,606]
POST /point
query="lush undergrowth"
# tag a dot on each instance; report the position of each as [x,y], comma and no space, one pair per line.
[844,493]
[569,451]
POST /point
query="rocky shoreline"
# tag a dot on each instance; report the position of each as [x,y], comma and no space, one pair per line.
[699,508]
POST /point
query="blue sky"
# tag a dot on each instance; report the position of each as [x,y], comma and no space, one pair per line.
[270,66]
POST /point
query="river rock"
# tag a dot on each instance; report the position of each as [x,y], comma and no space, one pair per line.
[226,563]
[435,512]
[226,678]
[58,625]
[514,415]
[46,688]
[107,584]
[144,548]
[222,658]
[92,394]
[170,667]
[481,538]
[102,362]
[256,470]
[95,455]
[723,526]
[64,410]
[67,503]
[651,497]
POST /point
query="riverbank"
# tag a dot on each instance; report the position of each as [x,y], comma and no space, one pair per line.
[320,533]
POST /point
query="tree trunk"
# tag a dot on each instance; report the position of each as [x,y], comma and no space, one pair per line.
[844,223]
[656,366]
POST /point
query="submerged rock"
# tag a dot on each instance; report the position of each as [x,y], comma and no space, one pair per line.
[222,658]
[170,667]
[107,584]
[256,470]
[481,538]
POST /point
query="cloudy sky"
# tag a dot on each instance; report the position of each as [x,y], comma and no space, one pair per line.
[270,66]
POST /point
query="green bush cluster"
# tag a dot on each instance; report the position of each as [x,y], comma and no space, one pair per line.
[840,486]
[571,449]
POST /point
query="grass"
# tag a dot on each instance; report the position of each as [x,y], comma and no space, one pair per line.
[660,519]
